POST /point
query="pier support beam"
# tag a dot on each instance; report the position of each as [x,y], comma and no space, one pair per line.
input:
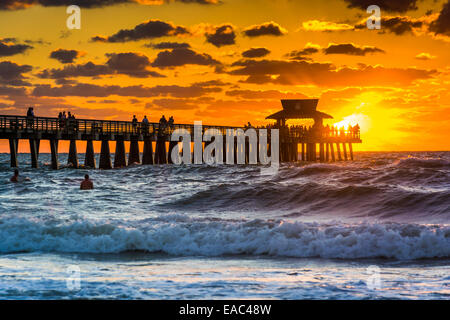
[345,151]
[322,152]
[89,159]
[13,145]
[105,156]
[34,152]
[73,157]
[147,157]
[120,160]
[313,152]
[54,151]
[303,152]
[134,156]
[338,152]
[350,146]
[327,155]
[295,151]
[172,145]
[160,152]
[333,158]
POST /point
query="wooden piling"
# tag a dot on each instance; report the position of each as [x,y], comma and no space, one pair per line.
[333,158]
[345,151]
[13,145]
[120,159]
[327,157]
[34,153]
[322,152]
[73,157]
[160,152]
[134,156]
[303,152]
[147,157]
[350,146]
[54,151]
[338,151]
[295,151]
[172,145]
[105,156]
[89,159]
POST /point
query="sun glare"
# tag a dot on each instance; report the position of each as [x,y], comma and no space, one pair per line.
[357,118]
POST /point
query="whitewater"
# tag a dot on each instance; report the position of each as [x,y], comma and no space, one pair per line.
[310,231]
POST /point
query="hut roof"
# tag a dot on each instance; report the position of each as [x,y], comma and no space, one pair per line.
[299,109]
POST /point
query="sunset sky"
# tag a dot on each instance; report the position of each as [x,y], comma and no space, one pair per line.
[231,61]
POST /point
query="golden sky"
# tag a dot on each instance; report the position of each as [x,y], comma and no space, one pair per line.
[231,61]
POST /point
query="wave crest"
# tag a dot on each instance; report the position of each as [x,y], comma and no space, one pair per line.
[189,237]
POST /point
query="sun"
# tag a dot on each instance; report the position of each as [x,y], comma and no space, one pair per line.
[357,118]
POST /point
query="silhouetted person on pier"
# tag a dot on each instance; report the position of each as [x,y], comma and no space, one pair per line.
[145,124]
[171,122]
[356,130]
[30,117]
[86,184]
[134,123]
[327,130]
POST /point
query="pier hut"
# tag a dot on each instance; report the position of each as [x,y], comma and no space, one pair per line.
[311,139]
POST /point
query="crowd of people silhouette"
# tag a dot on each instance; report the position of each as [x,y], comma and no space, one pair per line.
[303,131]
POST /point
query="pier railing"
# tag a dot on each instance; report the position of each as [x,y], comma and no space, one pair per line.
[13,124]
[86,126]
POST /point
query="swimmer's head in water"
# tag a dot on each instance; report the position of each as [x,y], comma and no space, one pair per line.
[86,176]
[16,172]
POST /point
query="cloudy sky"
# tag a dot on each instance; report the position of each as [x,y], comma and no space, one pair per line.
[231,61]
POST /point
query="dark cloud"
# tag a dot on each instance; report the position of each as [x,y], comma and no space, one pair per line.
[265,94]
[22,4]
[351,49]
[300,54]
[324,74]
[10,49]
[88,69]
[211,83]
[398,25]
[256,53]
[442,24]
[181,57]
[222,36]
[12,73]
[174,104]
[129,63]
[385,5]
[65,56]
[12,91]
[168,45]
[147,30]
[92,90]
[265,29]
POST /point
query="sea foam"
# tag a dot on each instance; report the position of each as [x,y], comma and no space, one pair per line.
[180,235]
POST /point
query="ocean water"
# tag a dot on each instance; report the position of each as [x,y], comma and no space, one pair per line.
[375,228]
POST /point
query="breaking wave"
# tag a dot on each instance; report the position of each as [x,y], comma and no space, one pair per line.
[181,235]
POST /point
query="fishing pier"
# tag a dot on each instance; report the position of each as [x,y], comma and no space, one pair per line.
[296,143]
